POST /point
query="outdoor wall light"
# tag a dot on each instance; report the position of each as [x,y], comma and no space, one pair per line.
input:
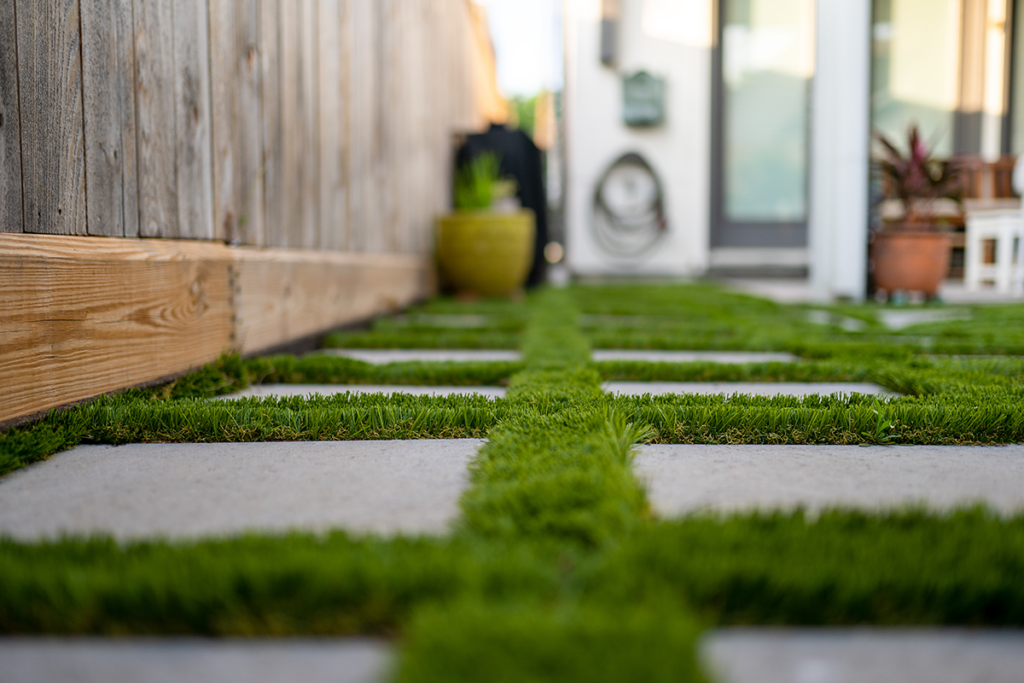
[609,32]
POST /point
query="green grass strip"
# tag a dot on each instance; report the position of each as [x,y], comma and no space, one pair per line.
[324,369]
[951,402]
[525,641]
[702,316]
[841,569]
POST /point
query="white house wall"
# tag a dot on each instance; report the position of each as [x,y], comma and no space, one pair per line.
[671,39]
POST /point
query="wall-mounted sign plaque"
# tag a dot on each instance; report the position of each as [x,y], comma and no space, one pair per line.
[643,99]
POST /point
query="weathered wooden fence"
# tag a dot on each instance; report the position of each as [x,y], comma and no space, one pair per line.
[306,145]
[292,123]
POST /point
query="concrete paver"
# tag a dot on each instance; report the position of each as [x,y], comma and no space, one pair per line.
[787,655]
[617,388]
[754,388]
[732,655]
[688,478]
[727,357]
[384,356]
[196,660]
[143,490]
[284,390]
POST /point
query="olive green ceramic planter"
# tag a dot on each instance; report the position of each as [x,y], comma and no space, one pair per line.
[485,253]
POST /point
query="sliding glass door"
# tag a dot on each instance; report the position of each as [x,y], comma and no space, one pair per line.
[763,64]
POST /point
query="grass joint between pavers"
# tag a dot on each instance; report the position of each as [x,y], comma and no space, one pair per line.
[558,570]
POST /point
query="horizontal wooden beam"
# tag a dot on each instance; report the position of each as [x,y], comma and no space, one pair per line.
[83,316]
[287,294]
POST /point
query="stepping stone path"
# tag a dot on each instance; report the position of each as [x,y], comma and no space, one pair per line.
[753,388]
[382,356]
[144,490]
[617,388]
[869,655]
[724,357]
[738,655]
[285,390]
[688,478]
[413,487]
[196,660]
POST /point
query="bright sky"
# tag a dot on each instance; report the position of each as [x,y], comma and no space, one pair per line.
[527,37]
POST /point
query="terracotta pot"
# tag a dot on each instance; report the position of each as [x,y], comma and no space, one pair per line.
[911,261]
[486,253]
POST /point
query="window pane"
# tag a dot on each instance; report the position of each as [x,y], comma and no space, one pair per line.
[767,62]
[915,69]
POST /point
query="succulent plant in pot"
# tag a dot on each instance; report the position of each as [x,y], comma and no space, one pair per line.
[485,247]
[912,254]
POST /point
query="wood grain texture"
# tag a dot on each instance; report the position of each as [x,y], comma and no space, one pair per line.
[108,72]
[11,214]
[331,107]
[80,316]
[286,294]
[193,153]
[310,204]
[237,134]
[251,223]
[225,105]
[292,121]
[52,137]
[155,130]
[270,113]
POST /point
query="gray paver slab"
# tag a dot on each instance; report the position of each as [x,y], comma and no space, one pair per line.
[187,490]
[900,319]
[284,390]
[785,655]
[687,478]
[754,388]
[173,660]
[384,356]
[691,356]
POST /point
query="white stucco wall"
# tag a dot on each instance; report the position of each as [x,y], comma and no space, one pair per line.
[840,142]
[671,39]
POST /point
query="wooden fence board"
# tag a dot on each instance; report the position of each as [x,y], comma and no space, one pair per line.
[292,120]
[310,216]
[193,154]
[237,134]
[270,113]
[11,214]
[108,70]
[299,123]
[225,105]
[52,138]
[330,113]
[155,116]
[250,125]
[345,123]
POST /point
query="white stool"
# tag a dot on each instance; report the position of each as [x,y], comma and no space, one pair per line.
[1006,227]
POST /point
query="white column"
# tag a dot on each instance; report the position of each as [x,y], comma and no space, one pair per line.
[840,144]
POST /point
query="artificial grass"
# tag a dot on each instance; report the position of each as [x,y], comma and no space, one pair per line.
[701,316]
[952,402]
[557,569]
[841,568]
[323,369]
[430,338]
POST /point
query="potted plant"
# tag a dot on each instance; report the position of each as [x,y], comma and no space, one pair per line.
[912,254]
[485,247]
